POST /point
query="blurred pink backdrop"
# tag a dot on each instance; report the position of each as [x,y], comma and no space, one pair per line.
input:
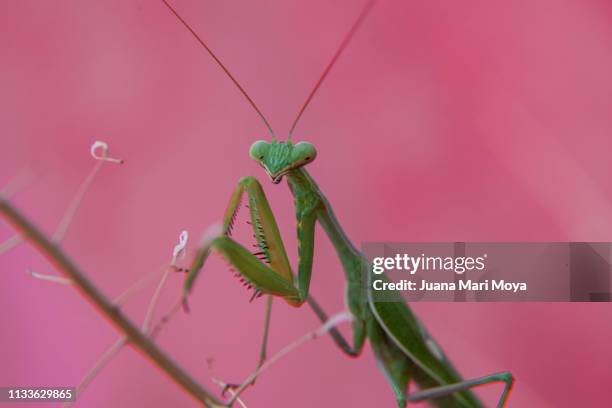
[475,120]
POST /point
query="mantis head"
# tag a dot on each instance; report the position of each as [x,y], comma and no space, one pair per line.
[279,158]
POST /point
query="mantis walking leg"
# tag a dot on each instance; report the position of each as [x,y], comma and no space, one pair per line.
[341,342]
[264,341]
[445,390]
[431,369]
[338,338]
[267,271]
[263,351]
[399,370]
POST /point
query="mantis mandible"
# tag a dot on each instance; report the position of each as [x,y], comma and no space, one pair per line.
[403,349]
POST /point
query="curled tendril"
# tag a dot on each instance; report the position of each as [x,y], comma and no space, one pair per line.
[179,249]
[99,145]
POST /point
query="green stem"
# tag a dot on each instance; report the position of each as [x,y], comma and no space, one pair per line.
[134,335]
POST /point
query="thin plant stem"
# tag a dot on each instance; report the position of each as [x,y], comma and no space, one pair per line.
[108,355]
[62,227]
[11,188]
[126,294]
[50,278]
[23,178]
[166,318]
[231,392]
[10,243]
[154,300]
[136,337]
[64,224]
[119,300]
[100,364]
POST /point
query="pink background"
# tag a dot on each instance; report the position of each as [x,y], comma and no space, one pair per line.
[474,120]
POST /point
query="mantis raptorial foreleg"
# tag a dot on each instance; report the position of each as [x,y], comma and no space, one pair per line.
[272,277]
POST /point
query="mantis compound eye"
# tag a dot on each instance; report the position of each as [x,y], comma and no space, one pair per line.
[304,152]
[258,150]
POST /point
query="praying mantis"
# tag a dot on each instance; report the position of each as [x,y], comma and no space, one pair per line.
[403,350]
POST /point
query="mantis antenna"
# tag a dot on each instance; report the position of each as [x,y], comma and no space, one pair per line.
[343,44]
[218,61]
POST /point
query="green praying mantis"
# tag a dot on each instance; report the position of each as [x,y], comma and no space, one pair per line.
[403,350]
